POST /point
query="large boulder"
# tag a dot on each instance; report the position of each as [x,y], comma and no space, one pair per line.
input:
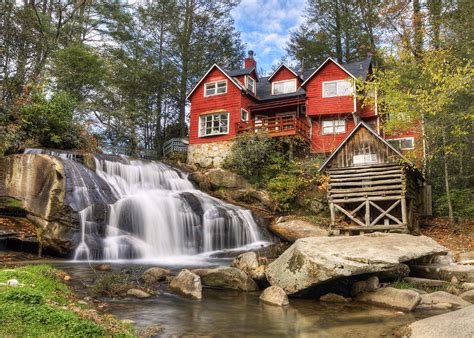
[292,230]
[247,262]
[228,278]
[187,284]
[219,178]
[405,300]
[463,273]
[459,324]
[468,296]
[155,274]
[312,261]
[444,298]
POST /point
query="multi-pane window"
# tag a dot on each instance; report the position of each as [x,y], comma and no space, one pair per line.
[250,82]
[215,88]
[405,143]
[337,88]
[214,124]
[244,115]
[284,87]
[334,127]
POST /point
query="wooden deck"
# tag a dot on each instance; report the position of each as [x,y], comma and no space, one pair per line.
[283,125]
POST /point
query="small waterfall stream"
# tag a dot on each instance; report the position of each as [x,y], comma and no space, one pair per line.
[144,210]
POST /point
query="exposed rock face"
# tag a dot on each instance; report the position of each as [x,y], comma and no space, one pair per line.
[247,262]
[468,296]
[187,284]
[228,278]
[368,285]
[463,273]
[452,324]
[312,261]
[443,297]
[425,282]
[155,274]
[38,183]
[405,300]
[292,230]
[274,295]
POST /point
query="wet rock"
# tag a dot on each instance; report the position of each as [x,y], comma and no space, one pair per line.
[253,197]
[405,300]
[463,273]
[425,282]
[103,267]
[155,274]
[333,298]
[468,296]
[274,295]
[452,324]
[187,284]
[228,278]
[220,178]
[292,230]
[247,262]
[443,297]
[138,293]
[315,260]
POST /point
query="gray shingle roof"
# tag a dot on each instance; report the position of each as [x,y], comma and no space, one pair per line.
[240,72]
[359,69]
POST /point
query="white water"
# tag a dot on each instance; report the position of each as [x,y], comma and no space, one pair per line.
[154,213]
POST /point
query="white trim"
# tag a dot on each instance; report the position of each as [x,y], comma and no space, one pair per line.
[403,138]
[317,69]
[273,86]
[333,127]
[216,134]
[336,81]
[248,114]
[207,73]
[254,89]
[278,69]
[216,93]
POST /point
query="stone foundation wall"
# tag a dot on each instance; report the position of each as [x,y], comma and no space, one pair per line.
[208,155]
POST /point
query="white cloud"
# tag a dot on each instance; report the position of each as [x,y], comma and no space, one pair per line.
[265,26]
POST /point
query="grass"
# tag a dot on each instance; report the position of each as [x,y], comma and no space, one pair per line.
[407,286]
[42,305]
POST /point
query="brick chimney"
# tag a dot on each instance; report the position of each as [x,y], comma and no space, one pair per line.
[249,61]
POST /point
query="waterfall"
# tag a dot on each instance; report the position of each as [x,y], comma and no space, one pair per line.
[152,211]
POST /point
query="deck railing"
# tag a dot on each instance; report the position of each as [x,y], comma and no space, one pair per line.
[175,145]
[282,125]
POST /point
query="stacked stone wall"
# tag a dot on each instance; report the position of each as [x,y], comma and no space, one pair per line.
[207,155]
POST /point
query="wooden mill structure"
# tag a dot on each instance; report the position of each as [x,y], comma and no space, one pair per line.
[372,185]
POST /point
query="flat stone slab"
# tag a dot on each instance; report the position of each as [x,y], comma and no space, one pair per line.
[458,324]
[295,229]
[425,282]
[314,260]
[405,300]
[463,273]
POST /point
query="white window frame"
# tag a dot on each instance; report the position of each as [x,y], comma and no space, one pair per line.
[294,86]
[325,83]
[242,110]
[333,127]
[204,118]
[399,139]
[253,89]
[215,83]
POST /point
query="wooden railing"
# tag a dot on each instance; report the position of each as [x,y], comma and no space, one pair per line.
[283,125]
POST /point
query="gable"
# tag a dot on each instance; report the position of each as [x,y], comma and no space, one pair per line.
[328,63]
[363,147]
[282,73]
[214,73]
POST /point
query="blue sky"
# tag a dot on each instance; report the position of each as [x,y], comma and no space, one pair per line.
[265,26]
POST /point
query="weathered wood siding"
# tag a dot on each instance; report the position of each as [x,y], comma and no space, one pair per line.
[360,144]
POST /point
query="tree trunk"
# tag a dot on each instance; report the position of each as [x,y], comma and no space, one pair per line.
[338,33]
[417,29]
[446,180]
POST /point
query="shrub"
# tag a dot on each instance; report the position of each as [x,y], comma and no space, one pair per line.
[461,200]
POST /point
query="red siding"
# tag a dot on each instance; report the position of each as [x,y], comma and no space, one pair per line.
[327,143]
[230,102]
[285,74]
[316,104]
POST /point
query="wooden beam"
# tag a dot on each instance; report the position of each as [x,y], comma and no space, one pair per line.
[367,213]
[375,198]
[348,214]
[333,214]
[404,210]
[376,173]
[356,170]
[349,184]
[364,194]
[376,188]
[352,178]
[385,213]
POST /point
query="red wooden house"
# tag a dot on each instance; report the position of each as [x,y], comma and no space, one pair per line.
[320,105]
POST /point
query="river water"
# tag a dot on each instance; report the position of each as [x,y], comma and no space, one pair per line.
[227,313]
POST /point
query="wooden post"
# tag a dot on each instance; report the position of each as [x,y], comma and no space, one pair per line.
[367,212]
[404,211]
[333,214]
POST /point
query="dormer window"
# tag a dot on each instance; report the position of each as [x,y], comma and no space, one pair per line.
[284,87]
[215,88]
[337,88]
[250,83]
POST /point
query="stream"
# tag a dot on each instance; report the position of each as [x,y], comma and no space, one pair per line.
[228,313]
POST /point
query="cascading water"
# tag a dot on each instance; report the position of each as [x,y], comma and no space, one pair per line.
[152,212]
